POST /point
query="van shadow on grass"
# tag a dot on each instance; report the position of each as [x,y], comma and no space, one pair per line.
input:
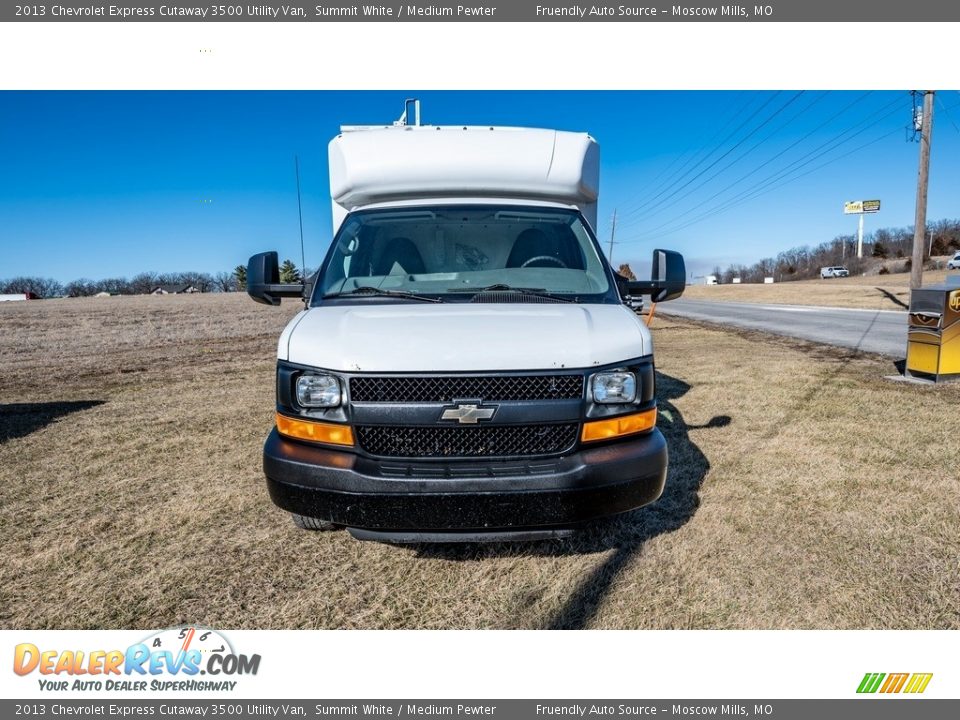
[625,534]
[20,419]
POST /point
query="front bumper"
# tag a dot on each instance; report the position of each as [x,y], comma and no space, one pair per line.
[476,496]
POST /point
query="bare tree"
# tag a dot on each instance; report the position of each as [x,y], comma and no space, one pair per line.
[201,281]
[41,287]
[114,286]
[144,283]
[805,262]
[81,288]
[626,271]
[225,282]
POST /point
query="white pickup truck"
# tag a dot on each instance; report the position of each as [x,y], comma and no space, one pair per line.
[465,368]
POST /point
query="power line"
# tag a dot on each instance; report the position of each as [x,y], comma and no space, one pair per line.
[774,179]
[946,111]
[763,191]
[823,165]
[779,154]
[703,146]
[726,154]
[669,187]
[752,194]
[679,172]
[797,164]
[737,159]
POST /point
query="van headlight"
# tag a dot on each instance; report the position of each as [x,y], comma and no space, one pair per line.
[318,391]
[610,388]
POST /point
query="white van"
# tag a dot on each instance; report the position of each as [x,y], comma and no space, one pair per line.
[833,272]
[465,367]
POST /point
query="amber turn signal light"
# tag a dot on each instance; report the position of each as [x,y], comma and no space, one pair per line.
[618,426]
[320,432]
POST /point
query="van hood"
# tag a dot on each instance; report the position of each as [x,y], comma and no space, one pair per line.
[407,337]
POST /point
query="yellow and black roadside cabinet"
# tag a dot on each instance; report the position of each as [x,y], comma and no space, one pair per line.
[933,335]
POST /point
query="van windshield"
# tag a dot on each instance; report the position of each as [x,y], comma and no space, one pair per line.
[453,253]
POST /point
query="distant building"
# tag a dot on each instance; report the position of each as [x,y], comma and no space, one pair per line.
[11,297]
[174,290]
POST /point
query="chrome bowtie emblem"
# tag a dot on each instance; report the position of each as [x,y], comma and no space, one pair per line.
[469,413]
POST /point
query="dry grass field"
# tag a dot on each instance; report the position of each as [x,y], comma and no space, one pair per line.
[872,292]
[805,491]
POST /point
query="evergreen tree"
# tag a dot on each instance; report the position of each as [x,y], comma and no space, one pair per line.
[289,273]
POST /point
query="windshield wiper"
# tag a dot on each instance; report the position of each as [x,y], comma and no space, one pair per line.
[503,287]
[370,290]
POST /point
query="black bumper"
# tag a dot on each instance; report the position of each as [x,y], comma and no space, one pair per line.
[481,495]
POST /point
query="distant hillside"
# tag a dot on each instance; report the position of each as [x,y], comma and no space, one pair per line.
[886,249]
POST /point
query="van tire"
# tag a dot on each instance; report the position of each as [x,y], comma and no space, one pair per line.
[309,523]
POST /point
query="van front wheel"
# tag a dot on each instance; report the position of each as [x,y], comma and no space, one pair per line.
[309,523]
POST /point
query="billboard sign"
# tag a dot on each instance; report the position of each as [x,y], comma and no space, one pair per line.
[855,207]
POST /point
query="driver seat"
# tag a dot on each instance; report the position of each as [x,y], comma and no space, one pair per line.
[532,243]
[399,251]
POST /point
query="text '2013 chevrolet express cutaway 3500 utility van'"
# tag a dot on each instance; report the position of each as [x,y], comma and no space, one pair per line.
[465,367]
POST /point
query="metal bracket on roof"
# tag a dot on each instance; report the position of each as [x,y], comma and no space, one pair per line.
[405,118]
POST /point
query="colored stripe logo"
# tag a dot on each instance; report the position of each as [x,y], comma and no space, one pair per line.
[913,683]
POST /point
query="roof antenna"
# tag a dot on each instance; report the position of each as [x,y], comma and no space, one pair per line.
[303,257]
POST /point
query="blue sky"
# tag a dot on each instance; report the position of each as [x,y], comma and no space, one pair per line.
[105,184]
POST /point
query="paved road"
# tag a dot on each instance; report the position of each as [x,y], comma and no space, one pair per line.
[876,331]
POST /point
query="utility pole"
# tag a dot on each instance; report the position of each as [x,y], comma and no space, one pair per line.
[613,230]
[923,177]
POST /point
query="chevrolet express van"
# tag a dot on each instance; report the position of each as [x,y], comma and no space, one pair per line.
[465,368]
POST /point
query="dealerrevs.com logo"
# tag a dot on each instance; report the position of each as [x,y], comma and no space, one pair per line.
[173,659]
[910,683]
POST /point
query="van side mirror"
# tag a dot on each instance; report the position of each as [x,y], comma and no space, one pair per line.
[668,278]
[263,280]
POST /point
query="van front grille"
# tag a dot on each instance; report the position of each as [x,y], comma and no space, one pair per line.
[481,441]
[466,387]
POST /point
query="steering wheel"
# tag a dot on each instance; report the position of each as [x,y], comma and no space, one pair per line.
[548,258]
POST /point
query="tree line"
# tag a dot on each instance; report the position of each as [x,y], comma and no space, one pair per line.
[142,284]
[797,263]
[802,263]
